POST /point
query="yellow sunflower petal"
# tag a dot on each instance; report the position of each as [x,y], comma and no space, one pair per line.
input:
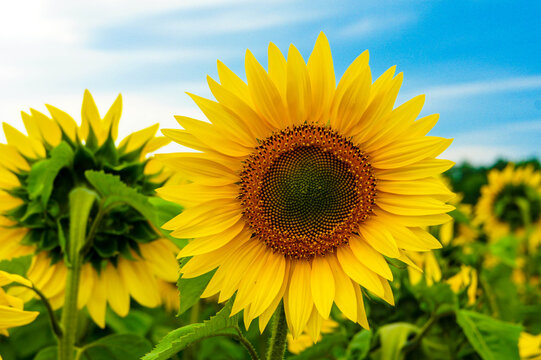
[345,297]
[358,272]
[264,93]
[139,281]
[28,147]
[12,159]
[369,257]
[379,238]
[407,152]
[322,79]
[214,140]
[10,317]
[419,170]
[66,122]
[97,303]
[206,244]
[299,91]
[48,129]
[278,69]
[115,289]
[299,297]
[361,312]
[322,284]
[112,118]
[412,205]
[268,283]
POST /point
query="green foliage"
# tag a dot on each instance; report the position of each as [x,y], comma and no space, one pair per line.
[491,338]
[18,265]
[359,346]
[116,347]
[190,290]
[44,172]
[177,340]
[49,353]
[115,192]
[393,338]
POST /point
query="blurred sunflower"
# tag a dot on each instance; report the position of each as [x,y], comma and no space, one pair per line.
[302,187]
[426,265]
[12,311]
[510,203]
[529,346]
[128,255]
[467,279]
[304,341]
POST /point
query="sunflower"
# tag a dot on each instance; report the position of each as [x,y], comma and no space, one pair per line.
[302,187]
[465,279]
[529,346]
[426,265]
[12,311]
[511,203]
[304,341]
[128,255]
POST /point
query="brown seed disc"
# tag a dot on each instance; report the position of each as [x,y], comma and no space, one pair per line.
[305,190]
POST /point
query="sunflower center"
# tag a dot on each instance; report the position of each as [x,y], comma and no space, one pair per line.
[516,204]
[305,190]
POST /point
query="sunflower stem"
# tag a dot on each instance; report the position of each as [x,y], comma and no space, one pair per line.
[81,201]
[277,345]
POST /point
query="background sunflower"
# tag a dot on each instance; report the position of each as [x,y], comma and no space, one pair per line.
[128,256]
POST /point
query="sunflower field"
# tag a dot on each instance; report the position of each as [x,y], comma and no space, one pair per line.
[310,218]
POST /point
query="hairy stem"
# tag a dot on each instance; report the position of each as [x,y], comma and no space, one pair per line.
[277,346]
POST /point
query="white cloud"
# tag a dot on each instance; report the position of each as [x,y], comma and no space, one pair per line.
[240,19]
[484,146]
[484,87]
[371,26]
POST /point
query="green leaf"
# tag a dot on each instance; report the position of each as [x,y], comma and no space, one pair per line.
[393,337]
[18,265]
[117,347]
[191,289]
[49,353]
[114,190]
[44,172]
[359,347]
[492,339]
[323,349]
[179,339]
[166,210]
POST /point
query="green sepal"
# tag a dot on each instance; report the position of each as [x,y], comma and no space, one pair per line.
[44,172]
[107,154]
[114,191]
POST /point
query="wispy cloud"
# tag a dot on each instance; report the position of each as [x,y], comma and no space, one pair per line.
[484,146]
[238,20]
[484,87]
[374,25]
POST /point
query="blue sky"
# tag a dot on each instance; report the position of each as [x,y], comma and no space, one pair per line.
[478,62]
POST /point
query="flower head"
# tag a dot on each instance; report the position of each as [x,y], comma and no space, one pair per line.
[128,255]
[302,187]
[511,202]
